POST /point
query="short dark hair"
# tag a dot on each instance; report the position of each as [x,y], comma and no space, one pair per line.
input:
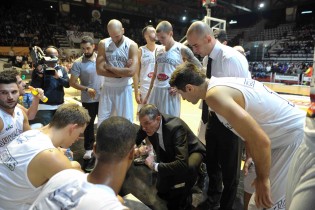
[187,73]
[8,77]
[220,35]
[115,137]
[70,114]
[149,110]
[145,29]
[87,39]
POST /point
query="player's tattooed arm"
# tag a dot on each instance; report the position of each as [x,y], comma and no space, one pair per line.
[188,55]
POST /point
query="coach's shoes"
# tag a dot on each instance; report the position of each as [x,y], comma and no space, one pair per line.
[88,154]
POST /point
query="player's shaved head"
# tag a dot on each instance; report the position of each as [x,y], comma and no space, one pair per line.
[164,26]
[114,25]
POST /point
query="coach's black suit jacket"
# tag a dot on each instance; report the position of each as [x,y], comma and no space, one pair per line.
[179,142]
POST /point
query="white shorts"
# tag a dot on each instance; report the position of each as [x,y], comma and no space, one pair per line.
[301,176]
[166,103]
[115,101]
[280,161]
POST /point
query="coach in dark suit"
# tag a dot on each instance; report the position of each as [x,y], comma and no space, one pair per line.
[179,154]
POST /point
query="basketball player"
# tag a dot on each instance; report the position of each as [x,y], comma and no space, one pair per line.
[145,70]
[271,126]
[13,121]
[117,61]
[165,98]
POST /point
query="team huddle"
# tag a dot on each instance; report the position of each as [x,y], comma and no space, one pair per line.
[236,109]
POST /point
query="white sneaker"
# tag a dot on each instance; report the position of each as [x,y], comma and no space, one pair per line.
[88,154]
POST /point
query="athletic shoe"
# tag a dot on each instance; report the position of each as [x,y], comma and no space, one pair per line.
[88,154]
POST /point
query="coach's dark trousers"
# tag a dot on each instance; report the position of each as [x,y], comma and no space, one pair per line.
[223,165]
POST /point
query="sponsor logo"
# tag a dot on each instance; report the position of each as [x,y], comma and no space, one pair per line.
[162,77]
[9,127]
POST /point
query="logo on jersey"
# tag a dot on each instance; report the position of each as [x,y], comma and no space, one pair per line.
[162,77]
[9,127]
[150,75]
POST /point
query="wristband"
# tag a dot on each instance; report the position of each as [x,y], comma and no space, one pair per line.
[86,89]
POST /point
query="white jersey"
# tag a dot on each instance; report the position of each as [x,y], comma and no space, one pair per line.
[12,126]
[69,189]
[166,62]
[301,187]
[16,190]
[118,57]
[147,61]
[276,115]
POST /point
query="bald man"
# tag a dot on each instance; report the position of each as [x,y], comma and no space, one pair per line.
[117,61]
[165,98]
[222,161]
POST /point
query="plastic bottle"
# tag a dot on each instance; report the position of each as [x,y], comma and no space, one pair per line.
[35,93]
[68,154]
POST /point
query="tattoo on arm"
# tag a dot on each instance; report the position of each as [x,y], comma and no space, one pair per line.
[188,55]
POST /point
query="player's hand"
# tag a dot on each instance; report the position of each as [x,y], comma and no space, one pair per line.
[91,92]
[149,161]
[262,193]
[145,100]
[138,98]
[136,152]
[248,164]
[129,63]
[172,91]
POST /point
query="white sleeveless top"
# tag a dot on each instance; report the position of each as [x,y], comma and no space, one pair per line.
[12,126]
[69,189]
[16,190]
[166,62]
[276,115]
[118,57]
[147,61]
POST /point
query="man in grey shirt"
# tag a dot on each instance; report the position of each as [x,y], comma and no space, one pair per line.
[84,68]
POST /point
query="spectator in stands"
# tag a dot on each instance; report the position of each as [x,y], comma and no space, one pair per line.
[114,151]
[23,174]
[52,79]
[309,71]
[25,65]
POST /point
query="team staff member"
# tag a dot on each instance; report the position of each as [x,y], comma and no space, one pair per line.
[222,162]
[179,154]
[84,68]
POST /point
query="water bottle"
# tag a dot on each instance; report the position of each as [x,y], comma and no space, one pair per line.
[35,93]
[68,154]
